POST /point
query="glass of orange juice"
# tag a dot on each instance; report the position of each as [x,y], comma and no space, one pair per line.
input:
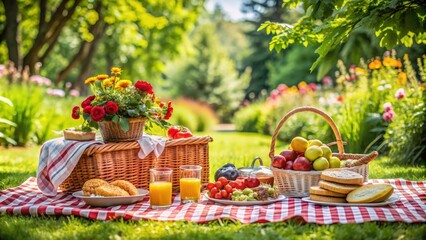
[160,187]
[190,183]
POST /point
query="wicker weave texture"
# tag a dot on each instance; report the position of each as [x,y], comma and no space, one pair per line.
[297,183]
[113,161]
[111,132]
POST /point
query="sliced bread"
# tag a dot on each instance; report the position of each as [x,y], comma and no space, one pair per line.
[337,187]
[320,198]
[342,176]
[370,193]
[317,190]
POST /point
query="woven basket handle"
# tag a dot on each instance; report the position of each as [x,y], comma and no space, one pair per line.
[307,109]
[365,159]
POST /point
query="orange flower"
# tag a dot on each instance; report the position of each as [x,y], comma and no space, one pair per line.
[115,70]
[90,80]
[108,82]
[359,71]
[102,77]
[397,64]
[388,62]
[376,64]
[402,78]
[122,84]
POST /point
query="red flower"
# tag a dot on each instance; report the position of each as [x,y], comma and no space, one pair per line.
[97,113]
[340,98]
[169,111]
[76,112]
[111,107]
[87,109]
[144,87]
[87,101]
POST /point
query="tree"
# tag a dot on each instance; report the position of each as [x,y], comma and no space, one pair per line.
[331,23]
[209,75]
[71,37]
[259,59]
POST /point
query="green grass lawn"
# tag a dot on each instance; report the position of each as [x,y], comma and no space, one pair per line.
[17,164]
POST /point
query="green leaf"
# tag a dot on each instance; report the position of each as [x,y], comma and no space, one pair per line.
[93,124]
[7,122]
[389,39]
[115,119]
[6,100]
[124,124]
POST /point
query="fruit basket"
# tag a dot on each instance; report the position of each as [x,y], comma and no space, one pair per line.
[119,160]
[293,183]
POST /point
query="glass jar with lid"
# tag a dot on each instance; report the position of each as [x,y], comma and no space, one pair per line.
[261,172]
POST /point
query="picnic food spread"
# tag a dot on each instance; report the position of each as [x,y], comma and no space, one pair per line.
[307,169]
[99,187]
[341,186]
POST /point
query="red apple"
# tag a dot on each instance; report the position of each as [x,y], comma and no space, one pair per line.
[290,155]
[279,161]
[252,182]
[302,164]
[288,165]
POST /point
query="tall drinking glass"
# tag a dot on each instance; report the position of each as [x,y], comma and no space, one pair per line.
[160,187]
[190,183]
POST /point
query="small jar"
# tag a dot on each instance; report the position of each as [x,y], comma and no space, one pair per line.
[263,173]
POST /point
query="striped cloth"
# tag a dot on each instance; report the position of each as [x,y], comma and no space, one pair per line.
[411,208]
[58,157]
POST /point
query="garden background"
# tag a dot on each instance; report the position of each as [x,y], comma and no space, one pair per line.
[361,62]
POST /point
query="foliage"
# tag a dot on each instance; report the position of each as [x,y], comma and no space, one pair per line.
[116,99]
[331,23]
[209,75]
[406,131]
[259,60]
[142,34]
[293,67]
[17,164]
[27,102]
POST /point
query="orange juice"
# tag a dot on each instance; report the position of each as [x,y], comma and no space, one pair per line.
[190,189]
[160,194]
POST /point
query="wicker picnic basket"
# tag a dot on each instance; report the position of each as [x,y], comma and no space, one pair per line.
[297,183]
[119,160]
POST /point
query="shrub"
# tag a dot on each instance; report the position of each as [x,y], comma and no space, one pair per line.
[250,118]
[195,115]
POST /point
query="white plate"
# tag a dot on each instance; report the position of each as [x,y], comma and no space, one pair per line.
[390,200]
[244,203]
[99,201]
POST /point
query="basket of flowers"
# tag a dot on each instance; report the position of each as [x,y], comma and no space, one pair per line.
[298,168]
[120,109]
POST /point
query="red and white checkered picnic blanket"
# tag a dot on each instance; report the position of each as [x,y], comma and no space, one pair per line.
[411,208]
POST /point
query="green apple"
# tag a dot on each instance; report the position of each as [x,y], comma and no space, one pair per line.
[314,142]
[326,151]
[334,162]
[313,152]
[321,164]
